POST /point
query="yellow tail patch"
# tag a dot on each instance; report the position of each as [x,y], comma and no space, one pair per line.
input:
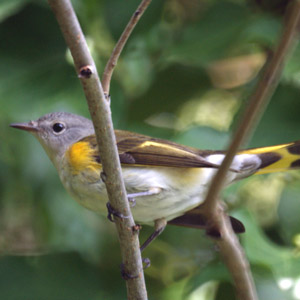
[277,158]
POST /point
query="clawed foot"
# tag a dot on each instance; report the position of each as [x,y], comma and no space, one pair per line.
[146,262]
[126,276]
[112,212]
[131,201]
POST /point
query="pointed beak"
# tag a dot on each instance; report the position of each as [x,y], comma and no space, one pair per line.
[31,126]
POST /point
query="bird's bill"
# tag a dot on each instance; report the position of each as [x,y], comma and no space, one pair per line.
[30,126]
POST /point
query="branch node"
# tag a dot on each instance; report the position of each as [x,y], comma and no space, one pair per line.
[85,72]
[136,228]
[137,12]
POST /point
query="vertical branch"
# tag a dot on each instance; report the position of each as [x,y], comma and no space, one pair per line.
[112,62]
[101,116]
[230,249]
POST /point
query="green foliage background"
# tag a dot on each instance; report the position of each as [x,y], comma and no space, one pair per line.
[53,249]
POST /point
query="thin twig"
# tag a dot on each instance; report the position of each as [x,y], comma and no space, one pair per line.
[112,62]
[251,116]
[101,116]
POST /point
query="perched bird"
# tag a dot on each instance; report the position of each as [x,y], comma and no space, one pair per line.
[168,181]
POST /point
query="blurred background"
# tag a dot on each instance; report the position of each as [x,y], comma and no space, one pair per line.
[185,75]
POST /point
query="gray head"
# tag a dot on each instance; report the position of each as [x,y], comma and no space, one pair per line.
[57,132]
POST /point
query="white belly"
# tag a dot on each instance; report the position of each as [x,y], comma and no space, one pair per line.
[181,189]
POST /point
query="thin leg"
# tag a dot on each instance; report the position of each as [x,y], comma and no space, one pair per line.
[160,225]
[150,192]
[131,199]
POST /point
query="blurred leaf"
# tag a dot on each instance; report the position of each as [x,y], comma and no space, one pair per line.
[56,277]
[215,109]
[267,286]
[171,87]
[118,13]
[281,121]
[203,138]
[291,73]
[262,30]
[134,60]
[40,70]
[10,7]
[206,291]
[213,271]
[283,262]
[289,212]
[210,38]
[225,291]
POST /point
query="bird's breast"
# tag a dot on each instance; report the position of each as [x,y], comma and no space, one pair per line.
[181,189]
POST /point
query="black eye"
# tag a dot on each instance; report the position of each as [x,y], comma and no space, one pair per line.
[58,127]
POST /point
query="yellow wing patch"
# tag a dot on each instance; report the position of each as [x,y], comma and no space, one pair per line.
[165,146]
[80,157]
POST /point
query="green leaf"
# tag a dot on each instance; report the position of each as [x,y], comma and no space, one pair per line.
[10,7]
[291,72]
[282,261]
[262,29]
[289,212]
[215,270]
[203,138]
[280,123]
[210,37]
[55,277]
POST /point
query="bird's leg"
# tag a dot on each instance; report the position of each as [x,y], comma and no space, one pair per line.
[131,199]
[127,276]
[159,225]
[152,191]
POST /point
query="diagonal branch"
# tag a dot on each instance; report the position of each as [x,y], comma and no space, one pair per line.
[258,101]
[230,249]
[235,260]
[112,62]
[101,116]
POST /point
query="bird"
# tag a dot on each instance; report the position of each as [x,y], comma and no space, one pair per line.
[167,181]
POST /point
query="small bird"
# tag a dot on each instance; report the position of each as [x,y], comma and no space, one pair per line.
[167,181]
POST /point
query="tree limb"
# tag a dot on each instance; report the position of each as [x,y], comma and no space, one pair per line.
[235,260]
[112,62]
[101,117]
[231,250]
